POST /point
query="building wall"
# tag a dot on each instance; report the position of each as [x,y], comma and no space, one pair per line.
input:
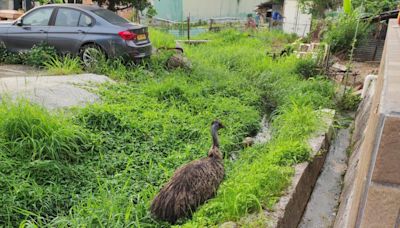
[169,9]
[295,21]
[219,8]
[4,4]
[371,193]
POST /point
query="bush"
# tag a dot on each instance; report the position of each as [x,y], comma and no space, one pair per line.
[341,32]
[9,57]
[349,101]
[39,55]
[307,67]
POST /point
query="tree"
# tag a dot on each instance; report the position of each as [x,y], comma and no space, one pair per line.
[318,7]
[116,5]
[375,7]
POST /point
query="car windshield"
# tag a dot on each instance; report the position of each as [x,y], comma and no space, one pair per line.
[110,16]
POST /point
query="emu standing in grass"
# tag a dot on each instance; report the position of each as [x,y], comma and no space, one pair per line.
[191,185]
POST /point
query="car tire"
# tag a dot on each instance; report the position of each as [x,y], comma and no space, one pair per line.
[91,54]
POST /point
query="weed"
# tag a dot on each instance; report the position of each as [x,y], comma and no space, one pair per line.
[307,67]
[40,54]
[341,32]
[41,171]
[63,65]
[349,101]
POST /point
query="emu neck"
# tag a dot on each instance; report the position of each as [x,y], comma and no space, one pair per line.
[214,134]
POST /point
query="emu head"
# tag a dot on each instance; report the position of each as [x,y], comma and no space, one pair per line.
[216,124]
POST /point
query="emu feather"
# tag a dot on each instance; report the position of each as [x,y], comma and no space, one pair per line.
[191,185]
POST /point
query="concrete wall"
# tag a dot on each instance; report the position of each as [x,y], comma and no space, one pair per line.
[295,20]
[5,4]
[178,10]
[169,9]
[219,8]
[371,194]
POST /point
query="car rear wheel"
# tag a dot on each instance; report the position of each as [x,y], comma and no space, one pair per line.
[91,55]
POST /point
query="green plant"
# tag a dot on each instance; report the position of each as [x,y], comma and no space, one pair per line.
[342,31]
[375,7]
[9,57]
[349,101]
[63,65]
[39,55]
[151,12]
[42,167]
[307,67]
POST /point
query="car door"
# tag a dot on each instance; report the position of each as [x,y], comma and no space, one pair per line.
[70,28]
[31,30]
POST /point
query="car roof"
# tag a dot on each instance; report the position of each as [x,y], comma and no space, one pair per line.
[75,6]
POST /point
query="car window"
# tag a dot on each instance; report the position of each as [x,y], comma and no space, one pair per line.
[67,17]
[39,17]
[85,21]
[110,16]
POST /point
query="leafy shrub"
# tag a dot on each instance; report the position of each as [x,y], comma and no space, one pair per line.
[307,67]
[349,101]
[9,57]
[3,53]
[341,32]
[39,55]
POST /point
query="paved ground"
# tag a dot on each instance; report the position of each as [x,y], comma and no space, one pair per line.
[19,71]
[322,207]
[52,91]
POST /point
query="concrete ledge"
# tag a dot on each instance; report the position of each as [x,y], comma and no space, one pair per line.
[289,210]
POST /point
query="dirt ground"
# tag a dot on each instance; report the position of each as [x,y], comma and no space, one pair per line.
[358,74]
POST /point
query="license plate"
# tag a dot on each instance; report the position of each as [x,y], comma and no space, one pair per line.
[141,37]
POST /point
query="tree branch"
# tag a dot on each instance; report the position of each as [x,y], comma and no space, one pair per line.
[124,7]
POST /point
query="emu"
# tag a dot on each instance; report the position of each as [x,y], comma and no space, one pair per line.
[191,185]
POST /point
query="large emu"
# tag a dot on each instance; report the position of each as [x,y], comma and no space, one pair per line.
[191,185]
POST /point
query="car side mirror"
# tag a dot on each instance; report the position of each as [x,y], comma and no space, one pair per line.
[19,22]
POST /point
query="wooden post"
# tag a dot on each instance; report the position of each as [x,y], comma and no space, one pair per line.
[188,26]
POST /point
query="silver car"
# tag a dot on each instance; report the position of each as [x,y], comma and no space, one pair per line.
[77,29]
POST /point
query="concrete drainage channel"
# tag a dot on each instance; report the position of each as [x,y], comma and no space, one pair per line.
[322,206]
[312,199]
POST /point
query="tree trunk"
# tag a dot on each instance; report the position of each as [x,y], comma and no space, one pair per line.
[111,6]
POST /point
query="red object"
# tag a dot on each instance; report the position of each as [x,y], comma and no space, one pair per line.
[127,35]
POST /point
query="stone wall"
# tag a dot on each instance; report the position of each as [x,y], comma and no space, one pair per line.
[371,194]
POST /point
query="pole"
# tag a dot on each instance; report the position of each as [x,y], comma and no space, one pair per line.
[188,27]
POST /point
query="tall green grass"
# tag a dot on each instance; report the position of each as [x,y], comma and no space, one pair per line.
[64,65]
[153,120]
[41,169]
